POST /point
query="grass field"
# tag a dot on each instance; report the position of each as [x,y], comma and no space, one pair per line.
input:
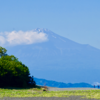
[38,92]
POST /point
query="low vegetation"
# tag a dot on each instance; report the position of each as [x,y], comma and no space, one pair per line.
[38,92]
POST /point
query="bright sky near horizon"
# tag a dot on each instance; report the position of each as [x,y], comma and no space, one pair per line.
[78,20]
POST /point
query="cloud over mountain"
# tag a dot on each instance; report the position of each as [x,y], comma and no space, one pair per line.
[2,40]
[20,37]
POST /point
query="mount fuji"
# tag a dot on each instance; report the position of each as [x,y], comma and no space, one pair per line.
[59,59]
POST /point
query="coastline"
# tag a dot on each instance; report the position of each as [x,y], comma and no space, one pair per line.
[69,89]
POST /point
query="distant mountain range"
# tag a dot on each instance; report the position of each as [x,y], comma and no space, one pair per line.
[59,59]
[43,82]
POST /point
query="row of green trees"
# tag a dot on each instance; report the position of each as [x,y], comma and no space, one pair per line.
[13,73]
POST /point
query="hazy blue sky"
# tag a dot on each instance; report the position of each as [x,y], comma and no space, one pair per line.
[78,20]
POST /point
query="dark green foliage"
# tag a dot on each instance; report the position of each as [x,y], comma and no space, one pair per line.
[13,73]
[2,51]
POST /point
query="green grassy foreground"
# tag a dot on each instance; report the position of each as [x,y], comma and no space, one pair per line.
[38,92]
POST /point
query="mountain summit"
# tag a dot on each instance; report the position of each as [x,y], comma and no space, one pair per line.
[59,59]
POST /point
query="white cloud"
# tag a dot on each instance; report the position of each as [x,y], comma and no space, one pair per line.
[20,37]
[2,40]
[96,83]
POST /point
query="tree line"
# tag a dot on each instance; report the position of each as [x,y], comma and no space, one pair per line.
[13,73]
